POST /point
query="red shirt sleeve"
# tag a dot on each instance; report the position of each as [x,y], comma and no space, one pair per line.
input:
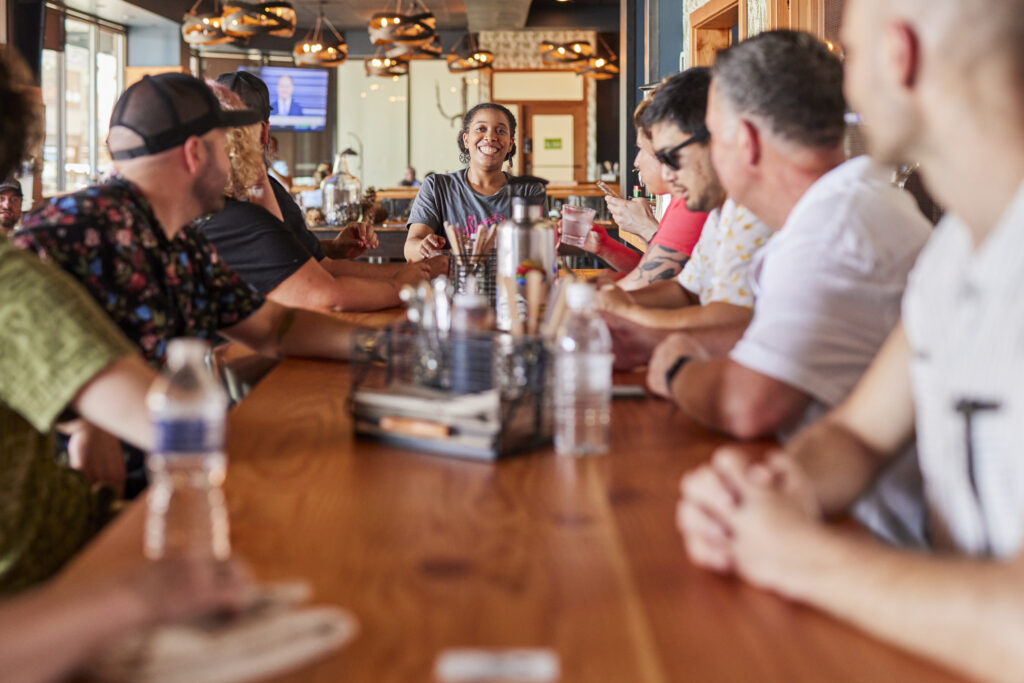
[679,228]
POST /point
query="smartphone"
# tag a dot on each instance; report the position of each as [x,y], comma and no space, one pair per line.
[604,188]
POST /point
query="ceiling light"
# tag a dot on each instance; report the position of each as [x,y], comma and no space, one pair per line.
[601,67]
[431,49]
[565,53]
[318,48]
[386,66]
[397,26]
[466,55]
[202,29]
[246,19]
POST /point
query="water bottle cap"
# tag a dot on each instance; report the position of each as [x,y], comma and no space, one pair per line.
[184,350]
[579,295]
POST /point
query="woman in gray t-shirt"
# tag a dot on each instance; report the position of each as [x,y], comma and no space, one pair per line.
[476,196]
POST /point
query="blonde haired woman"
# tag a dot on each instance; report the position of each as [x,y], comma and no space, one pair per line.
[252,236]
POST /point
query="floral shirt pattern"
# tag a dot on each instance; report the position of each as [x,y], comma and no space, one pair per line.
[720,267]
[153,287]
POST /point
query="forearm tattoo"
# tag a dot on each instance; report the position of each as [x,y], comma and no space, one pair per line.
[660,263]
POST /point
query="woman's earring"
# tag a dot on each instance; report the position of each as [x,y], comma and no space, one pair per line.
[464,157]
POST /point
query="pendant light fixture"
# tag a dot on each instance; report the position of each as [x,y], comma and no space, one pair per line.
[247,19]
[386,67]
[602,66]
[203,28]
[565,53]
[466,55]
[432,49]
[399,27]
[319,48]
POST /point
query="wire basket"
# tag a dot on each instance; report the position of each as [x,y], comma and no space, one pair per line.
[476,395]
[484,267]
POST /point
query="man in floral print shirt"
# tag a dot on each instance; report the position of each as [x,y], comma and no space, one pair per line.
[130,241]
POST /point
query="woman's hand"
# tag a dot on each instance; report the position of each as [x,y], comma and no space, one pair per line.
[430,245]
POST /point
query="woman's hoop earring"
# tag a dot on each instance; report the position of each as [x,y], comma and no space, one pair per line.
[464,157]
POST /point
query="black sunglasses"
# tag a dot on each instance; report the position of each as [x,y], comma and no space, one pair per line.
[670,156]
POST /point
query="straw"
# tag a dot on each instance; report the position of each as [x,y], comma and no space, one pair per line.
[557,311]
[492,234]
[511,298]
[534,298]
[458,248]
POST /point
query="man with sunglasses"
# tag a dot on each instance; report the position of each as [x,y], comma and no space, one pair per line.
[712,290]
[829,283]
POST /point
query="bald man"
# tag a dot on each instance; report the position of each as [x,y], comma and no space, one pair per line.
[952,373]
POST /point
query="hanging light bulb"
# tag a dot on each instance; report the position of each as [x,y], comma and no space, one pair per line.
[601,67]
[318,48]
[467,56]
[203,28]
[247,19]
[385,67]
[432,49]
[395,26]
[565,53]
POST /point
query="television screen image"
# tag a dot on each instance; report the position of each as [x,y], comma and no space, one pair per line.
[298,97]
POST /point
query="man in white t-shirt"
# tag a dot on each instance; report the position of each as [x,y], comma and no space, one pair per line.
[953,373]
[713,289]
[827,287]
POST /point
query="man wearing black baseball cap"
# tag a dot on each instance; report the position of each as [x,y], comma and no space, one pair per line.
[131,242]
[10,205]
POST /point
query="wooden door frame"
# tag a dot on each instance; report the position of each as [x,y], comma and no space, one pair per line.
[710,28]
[576,108]
[807,15]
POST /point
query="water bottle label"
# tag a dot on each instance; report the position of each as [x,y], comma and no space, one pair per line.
[188,435]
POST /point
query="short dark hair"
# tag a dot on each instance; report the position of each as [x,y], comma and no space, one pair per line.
[790,80]
[19,117]
[468,119]
[681,99]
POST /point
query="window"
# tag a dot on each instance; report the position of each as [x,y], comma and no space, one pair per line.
[80,86]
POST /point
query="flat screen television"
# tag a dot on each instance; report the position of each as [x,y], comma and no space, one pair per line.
[298,97]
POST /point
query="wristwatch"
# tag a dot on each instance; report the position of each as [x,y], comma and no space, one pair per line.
[674,369]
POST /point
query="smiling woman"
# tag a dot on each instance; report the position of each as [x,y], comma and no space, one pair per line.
[473,197]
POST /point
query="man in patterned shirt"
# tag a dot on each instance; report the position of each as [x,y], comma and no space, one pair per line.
[713,288]
[61,355]
[131,243]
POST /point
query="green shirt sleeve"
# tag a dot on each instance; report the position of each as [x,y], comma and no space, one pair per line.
[53,338]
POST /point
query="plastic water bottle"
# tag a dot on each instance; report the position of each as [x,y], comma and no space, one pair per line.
[187,516]
[583,377]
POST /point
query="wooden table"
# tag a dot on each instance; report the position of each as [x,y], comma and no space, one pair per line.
[580,556]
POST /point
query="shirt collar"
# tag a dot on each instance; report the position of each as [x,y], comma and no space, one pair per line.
[993,264]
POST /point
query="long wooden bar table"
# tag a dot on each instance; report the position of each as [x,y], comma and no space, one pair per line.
[577,555]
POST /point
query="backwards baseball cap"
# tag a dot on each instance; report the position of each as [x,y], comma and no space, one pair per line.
[11,184]
[250,88]
[167,109]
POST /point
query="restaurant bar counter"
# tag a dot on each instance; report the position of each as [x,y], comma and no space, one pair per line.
[580,556]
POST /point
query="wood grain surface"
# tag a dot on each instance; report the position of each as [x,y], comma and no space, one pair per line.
[577,555]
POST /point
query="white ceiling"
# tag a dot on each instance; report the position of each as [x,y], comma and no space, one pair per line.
[118,11]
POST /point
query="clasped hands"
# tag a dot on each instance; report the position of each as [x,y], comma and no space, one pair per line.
[759,520]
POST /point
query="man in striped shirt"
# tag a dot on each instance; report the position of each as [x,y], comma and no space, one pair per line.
[952,373]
